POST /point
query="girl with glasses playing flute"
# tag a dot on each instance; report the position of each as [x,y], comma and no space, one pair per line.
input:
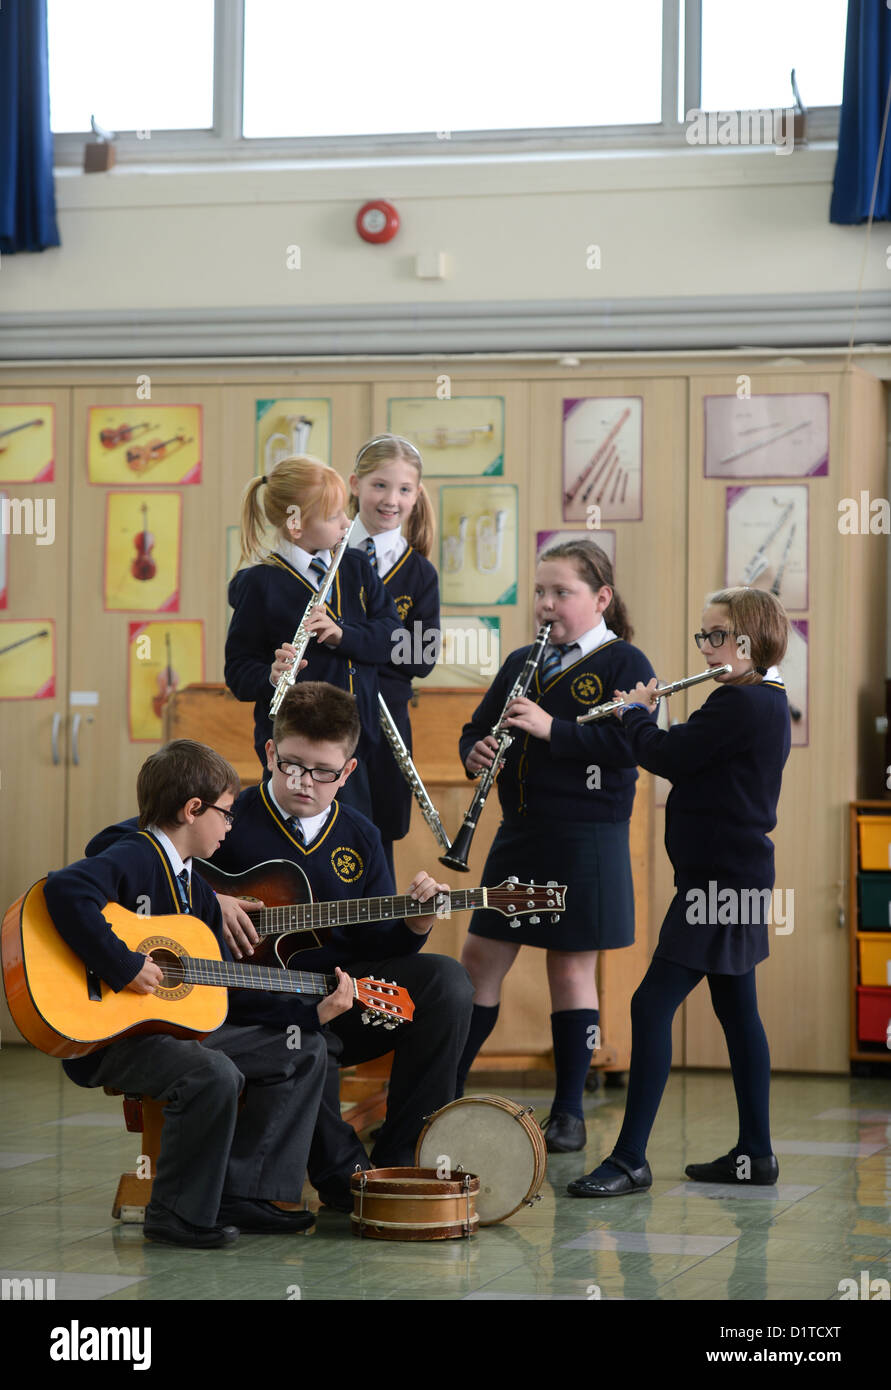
[725,765]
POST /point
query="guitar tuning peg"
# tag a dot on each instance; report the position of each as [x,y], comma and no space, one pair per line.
[555,917]
[534,921]
[512,878]
[514,922]
[532,883]
[366,1015]
[552,883]
[389,1026]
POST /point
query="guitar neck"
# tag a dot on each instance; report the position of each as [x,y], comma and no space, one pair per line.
[233,976]
[276,921]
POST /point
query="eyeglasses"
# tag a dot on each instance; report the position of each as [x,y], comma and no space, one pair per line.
[716,638]
[229,815]
[318,774]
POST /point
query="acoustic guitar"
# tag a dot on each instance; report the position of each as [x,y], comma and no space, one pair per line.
[64,1009]
[292,923]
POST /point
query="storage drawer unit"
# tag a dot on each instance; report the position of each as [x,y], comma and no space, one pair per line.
[875,842]
[874,1014]
[875,959]
[874,891]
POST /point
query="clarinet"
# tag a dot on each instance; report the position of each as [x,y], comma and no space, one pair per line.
[411,774]
[302,638]
[456,858]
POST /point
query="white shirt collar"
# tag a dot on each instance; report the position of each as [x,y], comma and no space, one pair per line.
[389,546]
[588,642]
[177,863]
[773,674]
[309,825]
[300,559]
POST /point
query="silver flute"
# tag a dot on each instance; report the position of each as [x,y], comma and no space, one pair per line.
[411,774]
[302,638]
[603,710]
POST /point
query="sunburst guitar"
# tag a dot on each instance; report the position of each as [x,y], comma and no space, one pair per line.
[64,1009]
[289,922]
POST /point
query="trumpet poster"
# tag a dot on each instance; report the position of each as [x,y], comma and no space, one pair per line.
[462,436]
[603,459]
[782,436]
[144,445]
[27,659]
[767,541]
[286,428]
[143,532]
[478,544]
[27,442]
[162,657]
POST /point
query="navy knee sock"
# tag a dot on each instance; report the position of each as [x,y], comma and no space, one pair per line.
[482,1021]
[736,1005]
[570,1030]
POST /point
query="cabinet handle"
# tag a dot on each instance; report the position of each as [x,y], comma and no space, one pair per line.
[57,724]
[75,731]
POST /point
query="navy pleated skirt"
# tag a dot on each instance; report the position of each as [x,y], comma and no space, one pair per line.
[716,927]
[591,858]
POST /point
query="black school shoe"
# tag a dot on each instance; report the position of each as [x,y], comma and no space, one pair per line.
[764,1171]
[564,1134]
[257,1217]
[166,1228]
[618,1185]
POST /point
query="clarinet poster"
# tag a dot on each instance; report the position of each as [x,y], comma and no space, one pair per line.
[459,437]
[286,428]
[782,436]
[794,671]
[143,534]
[603,459]
[605,539]
[471,654]
[161,657]
[478,544]
[27,659]
[767,541]
[144,445]
[27,442]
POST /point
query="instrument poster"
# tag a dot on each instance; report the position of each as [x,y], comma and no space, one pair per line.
[781,436]
[233,560]
[603,458]
[457,438]
[290,427]
[478,544]
[161,657]
[4,554]
[794,671]
[471,653]
[143,536]
[767,541]
[27,659]
[144,445]
[27,442]
[605,539]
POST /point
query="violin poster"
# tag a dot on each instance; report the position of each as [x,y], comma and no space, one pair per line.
[27,659]
[161,657]
[27,442]
[478,544]
[143,535]
[144,445]
[462,436]
[288,428]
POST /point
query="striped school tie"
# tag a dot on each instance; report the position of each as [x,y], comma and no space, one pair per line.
[296,829]
[182,884]
[319,569]
[370,551]
[553,659]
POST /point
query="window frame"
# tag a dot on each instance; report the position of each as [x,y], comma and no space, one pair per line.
[224,143]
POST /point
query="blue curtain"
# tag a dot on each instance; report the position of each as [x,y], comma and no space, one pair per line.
[27,198]
[867,75]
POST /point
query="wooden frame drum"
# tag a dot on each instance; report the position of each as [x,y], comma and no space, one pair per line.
[495,1138]
[413,1204]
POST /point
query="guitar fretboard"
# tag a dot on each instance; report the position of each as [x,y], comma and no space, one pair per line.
[221,972]
[274,921]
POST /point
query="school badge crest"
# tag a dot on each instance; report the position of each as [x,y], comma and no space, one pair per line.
[587,689]
[347,864]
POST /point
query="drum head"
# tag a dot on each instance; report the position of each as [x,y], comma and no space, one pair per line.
[483,1135]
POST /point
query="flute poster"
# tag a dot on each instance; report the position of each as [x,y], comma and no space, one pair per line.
[782,436]
[470,655]
[603,458]
[767,541]
[478,544]
[285,428]
[143,536]
[162,656]
[144,445]
[27,659]
[605,539]
[27,442]
[459,437]
[794,672]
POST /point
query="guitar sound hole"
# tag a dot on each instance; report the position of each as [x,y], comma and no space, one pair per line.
[170,963]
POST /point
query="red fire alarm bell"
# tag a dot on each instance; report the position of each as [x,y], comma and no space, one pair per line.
[377,222]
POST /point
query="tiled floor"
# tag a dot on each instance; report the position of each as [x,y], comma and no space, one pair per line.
[829,1218]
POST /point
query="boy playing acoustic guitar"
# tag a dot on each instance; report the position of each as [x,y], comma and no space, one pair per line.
[220,1168]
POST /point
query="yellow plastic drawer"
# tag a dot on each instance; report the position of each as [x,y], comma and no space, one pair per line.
[875,959]
[875,842]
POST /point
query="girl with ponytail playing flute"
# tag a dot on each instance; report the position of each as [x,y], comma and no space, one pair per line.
[566,792]
[726,765]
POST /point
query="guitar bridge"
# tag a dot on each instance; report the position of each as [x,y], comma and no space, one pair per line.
[94,987]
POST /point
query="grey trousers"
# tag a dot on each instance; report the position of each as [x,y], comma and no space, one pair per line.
[208,1146]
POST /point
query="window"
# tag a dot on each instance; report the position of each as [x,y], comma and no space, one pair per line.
[748,52]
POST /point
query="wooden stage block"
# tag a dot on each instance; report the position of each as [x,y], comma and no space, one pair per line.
[211,714]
